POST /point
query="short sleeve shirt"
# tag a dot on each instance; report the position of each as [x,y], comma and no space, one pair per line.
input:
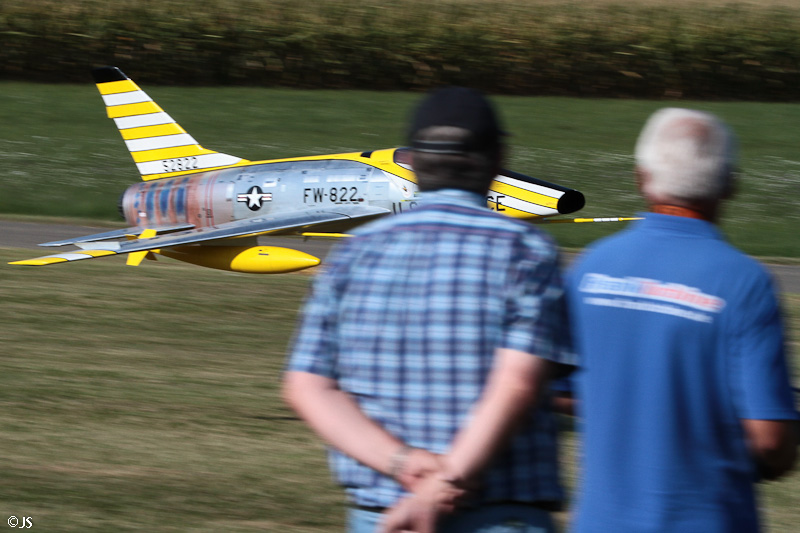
[680,337]
[406,318]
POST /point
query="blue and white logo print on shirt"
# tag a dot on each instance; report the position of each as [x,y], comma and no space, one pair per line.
[649,295]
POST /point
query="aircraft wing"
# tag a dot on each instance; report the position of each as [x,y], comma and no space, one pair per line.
[274,224]
[116,234]
[250,227]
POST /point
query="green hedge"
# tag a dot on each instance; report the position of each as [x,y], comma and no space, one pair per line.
[645,50]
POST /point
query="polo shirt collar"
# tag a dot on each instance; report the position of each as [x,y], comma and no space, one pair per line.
[693,226]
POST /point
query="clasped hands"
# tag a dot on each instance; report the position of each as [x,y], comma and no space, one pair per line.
[434,491]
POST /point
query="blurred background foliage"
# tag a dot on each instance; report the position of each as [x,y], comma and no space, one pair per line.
[647,49]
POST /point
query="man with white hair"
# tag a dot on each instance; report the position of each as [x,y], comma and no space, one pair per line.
[684,388]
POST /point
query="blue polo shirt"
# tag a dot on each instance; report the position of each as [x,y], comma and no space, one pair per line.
[680,337]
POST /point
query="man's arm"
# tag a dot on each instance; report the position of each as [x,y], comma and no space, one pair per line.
[768,412]
[514,384]
[337,418]
[773,444]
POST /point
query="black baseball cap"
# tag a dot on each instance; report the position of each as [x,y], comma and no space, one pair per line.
[459,107]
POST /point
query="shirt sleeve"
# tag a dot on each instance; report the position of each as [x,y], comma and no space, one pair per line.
[763,375]
[536,318]
[314,345]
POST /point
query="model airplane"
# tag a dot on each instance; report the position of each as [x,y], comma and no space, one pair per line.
[208,208]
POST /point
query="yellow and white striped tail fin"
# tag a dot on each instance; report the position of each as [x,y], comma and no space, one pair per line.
[160,147]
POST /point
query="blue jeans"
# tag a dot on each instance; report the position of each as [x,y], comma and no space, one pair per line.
[501,518]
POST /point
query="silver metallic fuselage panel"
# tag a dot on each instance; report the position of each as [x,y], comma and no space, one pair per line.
[219,197]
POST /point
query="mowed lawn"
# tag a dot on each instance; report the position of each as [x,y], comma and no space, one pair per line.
[148,399]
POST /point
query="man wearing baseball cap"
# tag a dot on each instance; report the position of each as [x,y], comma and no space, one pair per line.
[422,353]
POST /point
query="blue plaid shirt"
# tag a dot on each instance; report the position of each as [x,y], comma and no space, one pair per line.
[406,318]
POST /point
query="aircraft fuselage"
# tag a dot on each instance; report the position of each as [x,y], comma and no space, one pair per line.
[216,197]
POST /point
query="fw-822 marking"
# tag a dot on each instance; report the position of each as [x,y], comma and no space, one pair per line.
[336,195]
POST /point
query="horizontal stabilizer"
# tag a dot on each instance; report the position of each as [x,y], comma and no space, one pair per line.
[63,258]
[117,234]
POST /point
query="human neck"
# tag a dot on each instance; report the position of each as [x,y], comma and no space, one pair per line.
[683,211]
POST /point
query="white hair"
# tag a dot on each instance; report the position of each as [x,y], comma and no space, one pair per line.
[688,155]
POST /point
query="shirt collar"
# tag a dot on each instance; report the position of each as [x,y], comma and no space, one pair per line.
[680,224]
[453,196]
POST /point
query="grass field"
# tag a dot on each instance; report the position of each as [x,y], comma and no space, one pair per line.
[60,155]
[147,399]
